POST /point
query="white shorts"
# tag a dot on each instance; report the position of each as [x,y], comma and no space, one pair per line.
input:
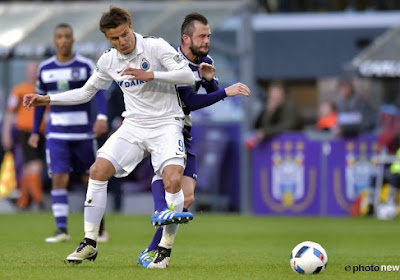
[130,144]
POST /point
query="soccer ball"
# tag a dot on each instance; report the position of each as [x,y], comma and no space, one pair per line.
[308,258]
[386,211]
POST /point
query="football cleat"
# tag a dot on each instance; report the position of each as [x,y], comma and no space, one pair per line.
[146,257]
[59,236]
[168,216]
[103,238]
[161,259]
[84,251]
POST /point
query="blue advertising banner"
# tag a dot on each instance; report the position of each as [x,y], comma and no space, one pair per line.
[286,176]
[350,165]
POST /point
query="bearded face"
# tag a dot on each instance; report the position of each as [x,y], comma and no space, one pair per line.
[200,39]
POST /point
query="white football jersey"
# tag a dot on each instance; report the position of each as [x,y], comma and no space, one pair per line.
[145,102]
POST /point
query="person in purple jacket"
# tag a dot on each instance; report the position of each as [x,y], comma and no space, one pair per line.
[71,133]
[195,45]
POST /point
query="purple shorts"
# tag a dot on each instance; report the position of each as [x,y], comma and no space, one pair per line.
[66,156]
[191,165]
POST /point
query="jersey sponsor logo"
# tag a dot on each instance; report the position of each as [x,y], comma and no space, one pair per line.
[130,83]
[145,64]
[62,85]
[67,74]
[178,58]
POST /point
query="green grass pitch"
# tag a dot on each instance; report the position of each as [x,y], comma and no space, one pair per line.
[210,247]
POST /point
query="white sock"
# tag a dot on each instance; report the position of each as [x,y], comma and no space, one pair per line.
[95,207]
[169,232]
[175,200]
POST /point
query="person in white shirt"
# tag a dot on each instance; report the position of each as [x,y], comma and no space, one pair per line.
[147,70]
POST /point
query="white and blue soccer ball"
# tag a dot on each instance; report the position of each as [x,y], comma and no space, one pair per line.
[386,211]
[308,258]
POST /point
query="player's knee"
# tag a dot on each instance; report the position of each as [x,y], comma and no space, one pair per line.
[172,182]
[97,172]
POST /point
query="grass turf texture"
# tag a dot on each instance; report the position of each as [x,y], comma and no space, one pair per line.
[211,247]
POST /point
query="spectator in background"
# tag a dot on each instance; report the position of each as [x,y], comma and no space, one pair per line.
[388,143]
[277,116]
[355,115]
[327,114]
[31,181]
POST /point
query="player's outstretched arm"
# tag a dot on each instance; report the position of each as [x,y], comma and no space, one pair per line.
[237,89]
[182,76]
[33,99]
[195,101]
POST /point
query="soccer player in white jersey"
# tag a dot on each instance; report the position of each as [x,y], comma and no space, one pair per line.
[147,70]
[195,45]
[70,134]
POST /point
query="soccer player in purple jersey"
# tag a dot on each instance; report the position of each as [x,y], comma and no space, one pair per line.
[70,134]
[195,45]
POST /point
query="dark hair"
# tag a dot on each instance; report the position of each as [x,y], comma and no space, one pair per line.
[346,82]
[188,23]
[114,18]
[63,25]
[278,84]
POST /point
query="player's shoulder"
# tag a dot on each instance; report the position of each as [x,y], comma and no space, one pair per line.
[207,59]
[47,63]
[153,41]
[149,38]
[107,57]
[84,60]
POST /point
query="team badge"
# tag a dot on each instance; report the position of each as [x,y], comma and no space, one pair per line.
[145,64]
[178,58]
[75,74]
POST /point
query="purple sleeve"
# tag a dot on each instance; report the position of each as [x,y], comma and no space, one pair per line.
[101,102]
[37,118]
[210,86]
[195,101]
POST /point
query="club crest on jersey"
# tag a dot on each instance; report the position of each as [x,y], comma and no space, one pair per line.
[178,58]
[145,64]
[75,74]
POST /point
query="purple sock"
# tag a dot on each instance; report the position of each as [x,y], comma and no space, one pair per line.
[156,240]
[157,187]
[185,210]
[59,200]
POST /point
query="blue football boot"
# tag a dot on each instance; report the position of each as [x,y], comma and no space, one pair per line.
[168,216]
[146,257]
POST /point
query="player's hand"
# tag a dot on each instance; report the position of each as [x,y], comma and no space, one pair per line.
[33,99]
[138,74]
[33,140]
[207,71]
[100,127]
[237,89]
